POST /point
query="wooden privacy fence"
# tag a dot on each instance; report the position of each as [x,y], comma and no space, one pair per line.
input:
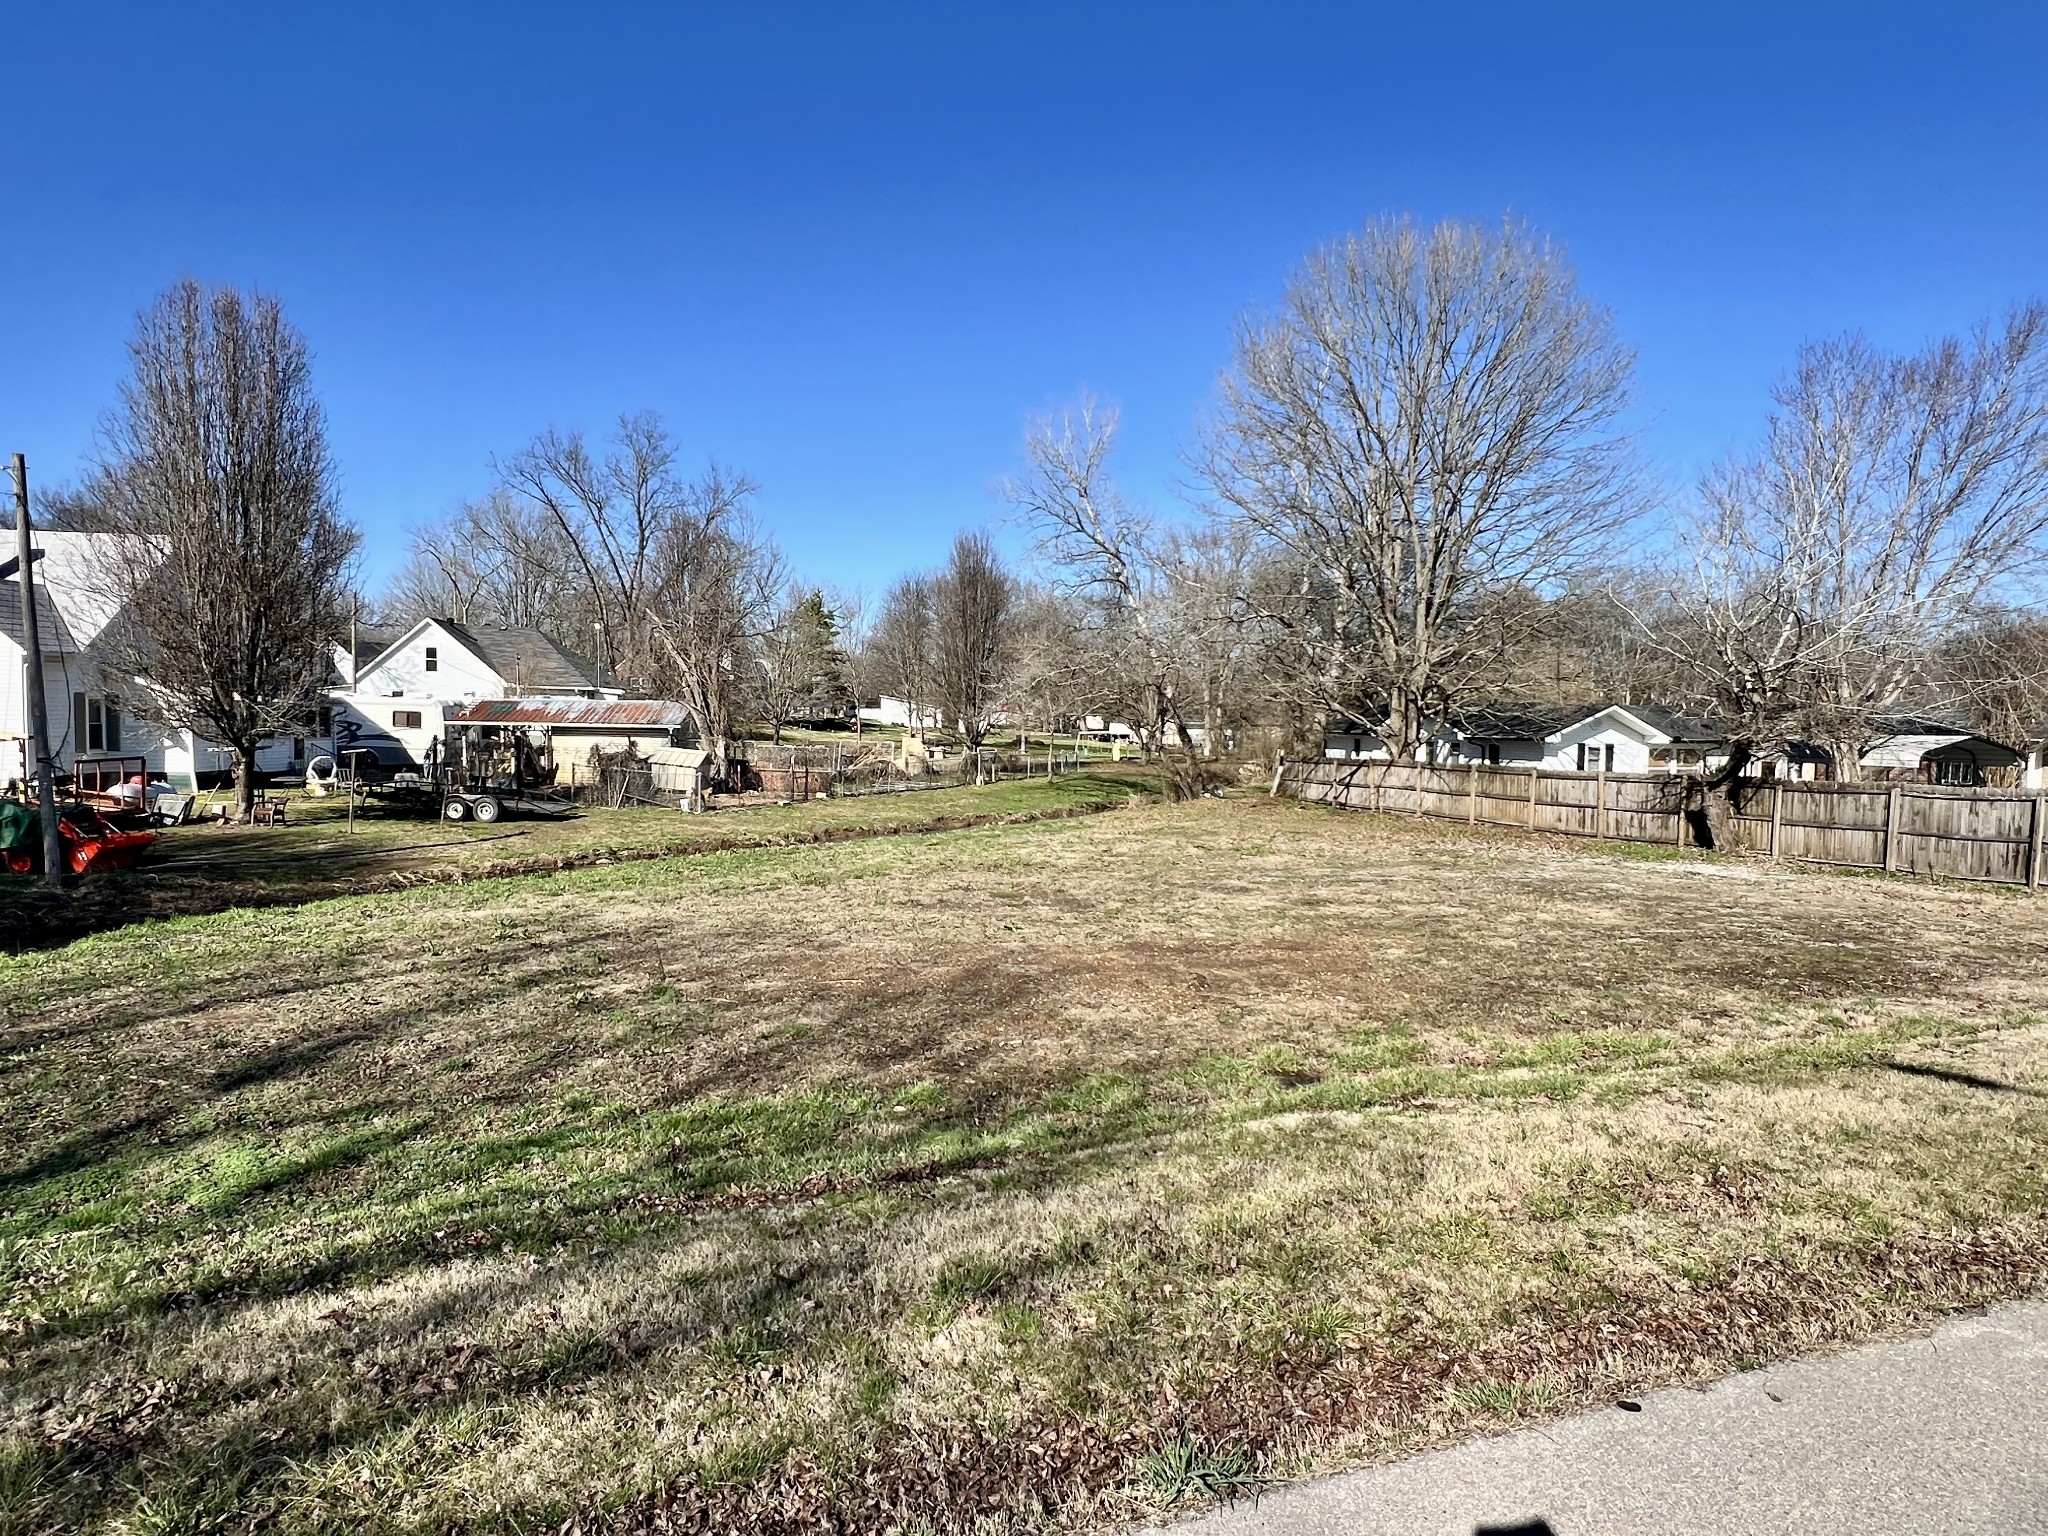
[1914,829]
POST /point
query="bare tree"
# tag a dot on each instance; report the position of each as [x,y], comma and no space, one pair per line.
[1996,666]
[1893,500]
[800,660]
[713,580]
[678,581]
[857,613]
[610,512]
[1146,619]
[1429,428]
[903,651]
[214,468]
[973,604]
[497,560]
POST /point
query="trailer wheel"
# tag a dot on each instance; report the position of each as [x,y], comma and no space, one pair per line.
[455,808]
[486,809]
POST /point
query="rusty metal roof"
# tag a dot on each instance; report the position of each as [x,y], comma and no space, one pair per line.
[591,714]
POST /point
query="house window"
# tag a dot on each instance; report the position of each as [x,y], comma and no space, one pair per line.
[1593,758]
[96,724]
[323,722]
[433,658]
[1493,754]
[405,719]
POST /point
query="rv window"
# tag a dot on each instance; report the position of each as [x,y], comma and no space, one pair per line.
[405,719]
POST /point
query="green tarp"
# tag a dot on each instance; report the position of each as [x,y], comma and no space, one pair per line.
[20,827]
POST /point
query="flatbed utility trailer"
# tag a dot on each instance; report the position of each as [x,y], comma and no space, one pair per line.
[486,803]
[459,786]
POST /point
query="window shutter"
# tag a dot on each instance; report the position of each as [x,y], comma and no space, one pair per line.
[113,727]
[78,746]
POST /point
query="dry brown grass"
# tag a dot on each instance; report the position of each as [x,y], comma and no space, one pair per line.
[1002,1175]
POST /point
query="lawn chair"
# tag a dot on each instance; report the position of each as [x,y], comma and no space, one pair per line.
[173,810]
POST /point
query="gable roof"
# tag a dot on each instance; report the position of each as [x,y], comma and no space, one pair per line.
[526,658]
[1542,722]
[76,586]
[56,638]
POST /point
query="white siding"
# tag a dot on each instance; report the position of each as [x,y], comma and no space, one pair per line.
[457,674]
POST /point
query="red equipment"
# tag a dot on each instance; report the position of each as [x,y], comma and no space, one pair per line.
[90,842]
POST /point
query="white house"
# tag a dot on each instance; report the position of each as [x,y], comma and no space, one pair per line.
[888,711]
[1353,741]
[1613,738]
[1939,752]
[91,706]
[393,706]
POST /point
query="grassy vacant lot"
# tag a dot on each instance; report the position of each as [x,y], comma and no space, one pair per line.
[1020,1176]
[211,868]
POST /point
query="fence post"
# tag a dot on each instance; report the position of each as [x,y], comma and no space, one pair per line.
[1600,807]
[1777,813]
[1535,781]
[1379,789]
[1678,816]
[2034,852]
[1471,794]
[1279,767]
[1891,830]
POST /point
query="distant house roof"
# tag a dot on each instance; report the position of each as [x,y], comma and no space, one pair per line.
[1540,722]
[576,714]
[1906,743]
[371,641]
[526,658]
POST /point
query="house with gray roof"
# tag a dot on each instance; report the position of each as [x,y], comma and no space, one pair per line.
[1585,738]
[394,705]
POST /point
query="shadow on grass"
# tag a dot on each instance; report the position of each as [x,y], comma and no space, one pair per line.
[1960,1079]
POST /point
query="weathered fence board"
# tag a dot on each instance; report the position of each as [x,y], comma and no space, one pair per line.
[1917,829]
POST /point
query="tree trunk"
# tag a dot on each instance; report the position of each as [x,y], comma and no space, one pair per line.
[1404,727]
[1717,800]
[1848,758]
[245,781]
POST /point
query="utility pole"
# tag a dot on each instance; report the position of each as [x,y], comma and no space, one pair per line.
[40,747]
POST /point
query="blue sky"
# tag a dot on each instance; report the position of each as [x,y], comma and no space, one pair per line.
[849,247]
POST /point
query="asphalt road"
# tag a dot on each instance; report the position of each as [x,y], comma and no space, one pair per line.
[1940,1435]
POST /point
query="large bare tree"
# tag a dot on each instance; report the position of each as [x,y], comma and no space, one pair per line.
[973,611]
[1429,428]
[1894,499]
[678,581]
[902,651]
[712,595]
[214,467]
[1142,635]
